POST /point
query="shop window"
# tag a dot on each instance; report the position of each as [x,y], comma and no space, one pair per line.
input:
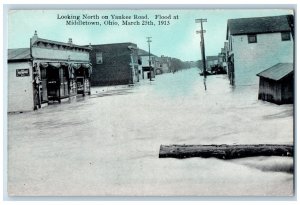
[285,36]
[99,58]
[252,38]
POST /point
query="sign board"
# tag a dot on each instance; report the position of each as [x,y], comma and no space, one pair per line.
[22,72]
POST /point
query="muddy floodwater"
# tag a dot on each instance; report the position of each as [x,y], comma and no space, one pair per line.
[107,144]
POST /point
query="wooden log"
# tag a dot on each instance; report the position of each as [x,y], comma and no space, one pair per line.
[224,151]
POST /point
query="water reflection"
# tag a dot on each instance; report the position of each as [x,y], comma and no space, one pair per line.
[204,81]
[181,83]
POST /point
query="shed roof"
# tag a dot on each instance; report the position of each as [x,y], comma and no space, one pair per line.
[277,71]
[18,54]
[269,24]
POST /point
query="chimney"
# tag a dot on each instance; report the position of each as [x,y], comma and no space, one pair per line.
[70,41]
[34,38]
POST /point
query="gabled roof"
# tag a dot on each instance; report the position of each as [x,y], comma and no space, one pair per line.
[256,25]
[18,54]
[277,71]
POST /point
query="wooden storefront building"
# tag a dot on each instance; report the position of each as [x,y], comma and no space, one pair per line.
[276,84]
[48,71]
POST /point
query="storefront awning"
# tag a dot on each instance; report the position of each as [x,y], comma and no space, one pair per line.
[71,67]
[64,64]
[85,65]
[44,65]
[55,65]
[75,65]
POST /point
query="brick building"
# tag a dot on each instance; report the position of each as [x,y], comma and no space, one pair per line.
[114,64]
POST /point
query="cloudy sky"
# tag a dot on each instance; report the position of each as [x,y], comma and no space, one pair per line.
[179,39]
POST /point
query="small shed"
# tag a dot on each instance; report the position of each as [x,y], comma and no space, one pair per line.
[276,84]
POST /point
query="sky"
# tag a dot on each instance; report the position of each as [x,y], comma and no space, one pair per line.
[179,39]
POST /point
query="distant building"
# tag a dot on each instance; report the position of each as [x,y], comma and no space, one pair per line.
[47,71]
[114,64]
[211,61]
[166,64]
[276,84]
[225,52]
[199,64]
[256,44]
[145,67]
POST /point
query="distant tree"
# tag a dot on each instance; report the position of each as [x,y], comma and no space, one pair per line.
[177,64]
[200,64]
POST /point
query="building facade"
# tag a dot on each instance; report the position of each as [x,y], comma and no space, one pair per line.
[256,44]
[211,61]
[114,64]
[146,65]
[48,71]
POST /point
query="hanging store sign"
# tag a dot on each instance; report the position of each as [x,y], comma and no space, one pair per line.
[22,72]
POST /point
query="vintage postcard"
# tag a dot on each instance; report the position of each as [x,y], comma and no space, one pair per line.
[150,102]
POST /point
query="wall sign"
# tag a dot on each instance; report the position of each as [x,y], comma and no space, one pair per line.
[22,72]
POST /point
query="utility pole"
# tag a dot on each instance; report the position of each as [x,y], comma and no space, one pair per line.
[149,41]
[202,43]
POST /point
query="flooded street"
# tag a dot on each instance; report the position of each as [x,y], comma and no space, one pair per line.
[108,143]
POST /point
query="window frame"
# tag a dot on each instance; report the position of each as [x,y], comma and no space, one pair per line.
[283,38]
[98,58]
[250,36]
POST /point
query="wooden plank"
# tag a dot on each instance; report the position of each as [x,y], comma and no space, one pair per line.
[224,151]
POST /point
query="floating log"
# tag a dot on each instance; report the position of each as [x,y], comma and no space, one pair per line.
[224,151]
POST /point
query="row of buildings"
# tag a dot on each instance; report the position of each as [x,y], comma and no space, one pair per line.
[50,71]
[260,50]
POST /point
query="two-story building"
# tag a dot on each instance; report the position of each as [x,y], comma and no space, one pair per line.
[166,64]
[256,44]
[47,71]
[211,61]
[146,64]
[114,64]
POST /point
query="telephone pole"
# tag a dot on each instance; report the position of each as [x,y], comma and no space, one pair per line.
[150,69]
[202,46]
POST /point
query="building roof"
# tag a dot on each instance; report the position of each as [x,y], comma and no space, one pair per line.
[269,24]
[277,71]
[71,45]
[18,54]
[142,52]
[115,45]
